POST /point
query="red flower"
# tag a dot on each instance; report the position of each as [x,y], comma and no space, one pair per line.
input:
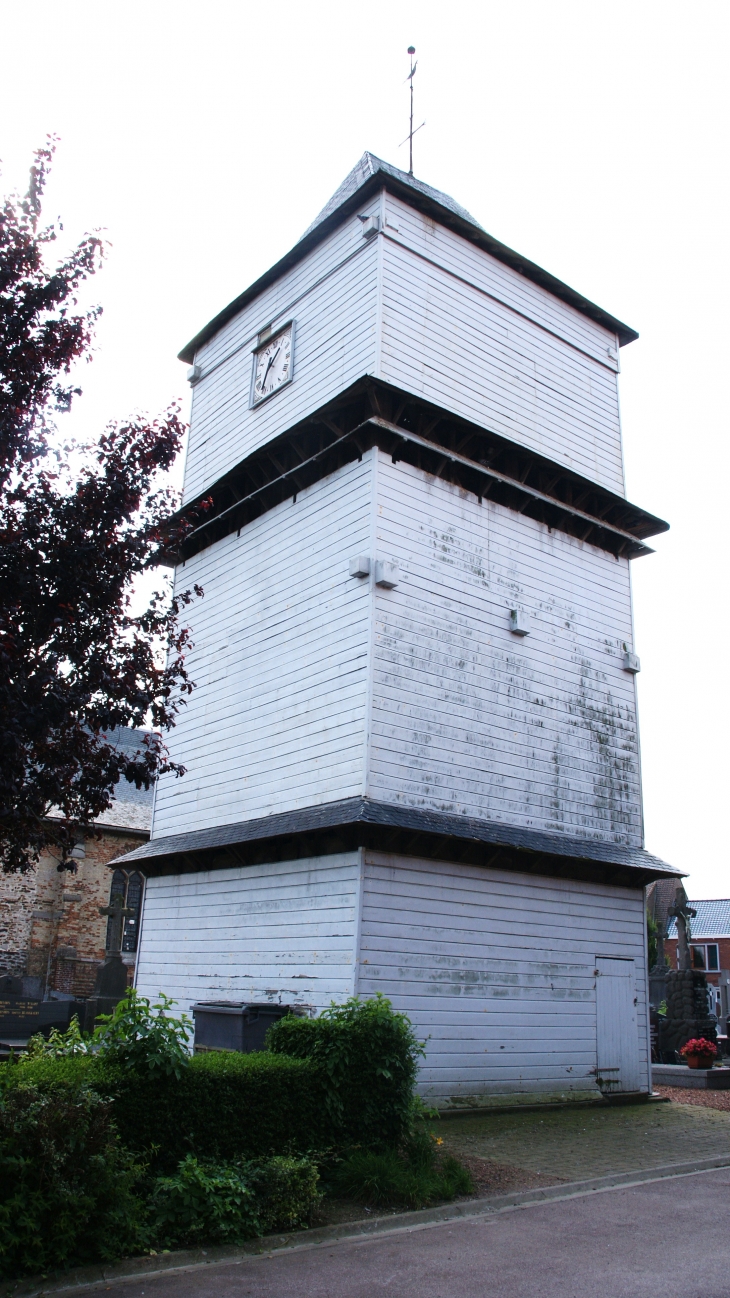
[699,1046]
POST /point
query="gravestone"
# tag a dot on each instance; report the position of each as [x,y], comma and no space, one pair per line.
[22,1016]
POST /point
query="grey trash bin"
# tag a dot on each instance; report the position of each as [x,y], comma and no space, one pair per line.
[233,1025]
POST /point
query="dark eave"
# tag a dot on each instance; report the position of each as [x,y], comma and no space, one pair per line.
[407,428]
[410,831]
[445,216]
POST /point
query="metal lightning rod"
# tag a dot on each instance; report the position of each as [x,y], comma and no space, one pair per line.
[411,133]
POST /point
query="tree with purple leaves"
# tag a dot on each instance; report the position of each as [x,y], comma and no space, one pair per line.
[78,527]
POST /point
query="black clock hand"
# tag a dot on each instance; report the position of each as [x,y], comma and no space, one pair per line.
[268,367]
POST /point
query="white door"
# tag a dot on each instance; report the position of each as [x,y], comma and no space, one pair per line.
[617,1045]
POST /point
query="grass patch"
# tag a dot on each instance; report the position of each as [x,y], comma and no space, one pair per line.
[412,1177]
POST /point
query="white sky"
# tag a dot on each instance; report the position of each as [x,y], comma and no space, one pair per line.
[591,137]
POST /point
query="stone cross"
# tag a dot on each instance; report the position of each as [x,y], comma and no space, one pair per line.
[681,911]
[118,912]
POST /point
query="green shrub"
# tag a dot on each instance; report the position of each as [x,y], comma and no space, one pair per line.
[47,1072]
[145,1038]
[66,1185]
[369,1057]
[224,1106]
[413,1177]
[227,1203]
[59,1045]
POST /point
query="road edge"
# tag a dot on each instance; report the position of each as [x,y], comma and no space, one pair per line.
[148,1267]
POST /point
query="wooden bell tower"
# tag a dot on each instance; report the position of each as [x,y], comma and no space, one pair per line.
[412,754]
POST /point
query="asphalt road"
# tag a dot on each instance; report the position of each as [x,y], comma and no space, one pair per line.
[664,1239]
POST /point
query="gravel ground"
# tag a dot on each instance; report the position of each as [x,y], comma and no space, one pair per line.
[503,1178]
[705,1099]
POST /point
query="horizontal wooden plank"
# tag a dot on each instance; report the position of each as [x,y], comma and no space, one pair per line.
[201,944]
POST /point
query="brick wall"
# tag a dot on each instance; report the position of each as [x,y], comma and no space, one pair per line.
[670,948]
[50,927]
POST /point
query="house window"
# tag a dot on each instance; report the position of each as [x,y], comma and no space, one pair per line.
[130,887]
[706,956]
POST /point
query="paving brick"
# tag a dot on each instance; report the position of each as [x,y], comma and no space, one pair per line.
[577,1144]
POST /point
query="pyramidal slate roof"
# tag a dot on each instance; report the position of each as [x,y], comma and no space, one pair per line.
[712,919]
[369,166]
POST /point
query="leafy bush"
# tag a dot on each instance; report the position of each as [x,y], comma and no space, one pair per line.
[413,1176]
[344,1078]
[227,1203]
[66,1185]
[145,1038]
[224,1106]
[59,1045]
[47,1072]
[369,1057]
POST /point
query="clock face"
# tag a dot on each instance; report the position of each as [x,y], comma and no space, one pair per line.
[272,365]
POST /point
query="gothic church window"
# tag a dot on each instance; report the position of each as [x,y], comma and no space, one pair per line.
[130,887]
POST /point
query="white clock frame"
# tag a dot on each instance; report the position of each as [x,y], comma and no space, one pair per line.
[266,342]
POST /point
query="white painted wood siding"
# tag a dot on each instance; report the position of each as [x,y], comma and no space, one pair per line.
[467,332]
[281,641]
[433,314]
[281,933]
[467,717]
[496,972]
[332,296]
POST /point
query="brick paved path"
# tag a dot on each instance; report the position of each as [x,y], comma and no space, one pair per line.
[576,1144]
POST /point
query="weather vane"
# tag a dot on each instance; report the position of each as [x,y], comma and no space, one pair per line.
[411,133]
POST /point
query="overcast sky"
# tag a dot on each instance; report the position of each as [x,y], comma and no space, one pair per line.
[591,137]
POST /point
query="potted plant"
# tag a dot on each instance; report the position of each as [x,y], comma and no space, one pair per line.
[699,1053]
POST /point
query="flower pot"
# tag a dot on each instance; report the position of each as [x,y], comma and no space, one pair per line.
[699,1061]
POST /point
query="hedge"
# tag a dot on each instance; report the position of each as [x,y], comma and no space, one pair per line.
[344,1078]
[369,1056]
[70,1192]
[225,1105]
[68,1189]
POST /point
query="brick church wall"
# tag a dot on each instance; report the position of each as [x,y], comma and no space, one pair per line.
[51,931]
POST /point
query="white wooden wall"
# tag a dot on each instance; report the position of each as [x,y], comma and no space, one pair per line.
[282,933]
[494,969]
[282,640]
[314,686]
[467,717]
[332,296]
[467,332]
[496,972]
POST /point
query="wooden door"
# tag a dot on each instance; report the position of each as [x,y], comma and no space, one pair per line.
[617,1046]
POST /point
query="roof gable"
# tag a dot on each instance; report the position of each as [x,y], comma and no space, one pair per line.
[369,176]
